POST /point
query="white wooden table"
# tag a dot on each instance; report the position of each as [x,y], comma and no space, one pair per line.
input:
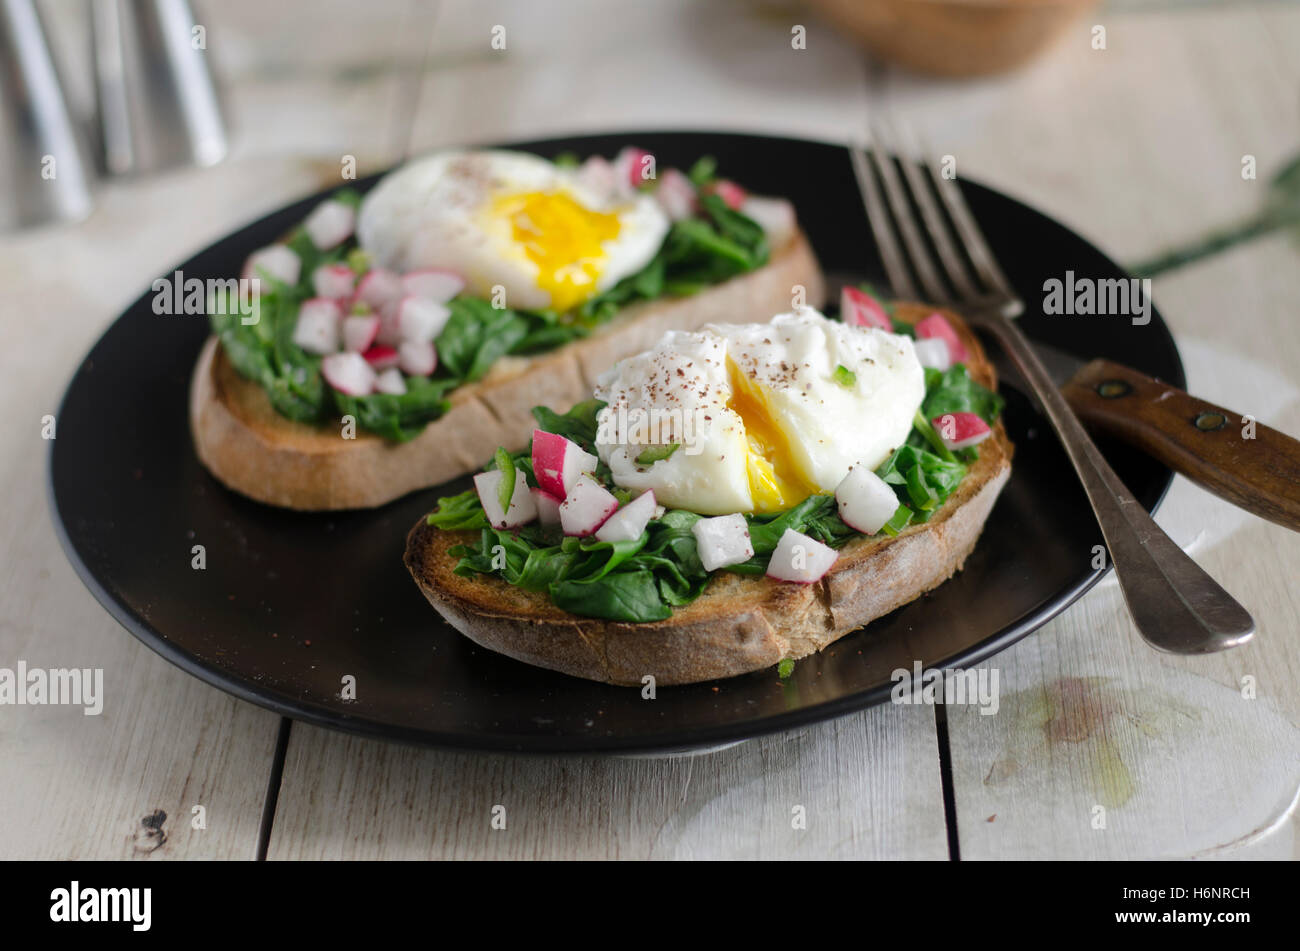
[1137,146]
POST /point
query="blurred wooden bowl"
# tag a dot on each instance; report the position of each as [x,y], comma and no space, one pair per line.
[954,37]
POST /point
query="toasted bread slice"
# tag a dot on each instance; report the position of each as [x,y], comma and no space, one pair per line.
[740,623]
[254,450]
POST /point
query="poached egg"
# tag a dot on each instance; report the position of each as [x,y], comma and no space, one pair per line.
[763,415]
[510,221]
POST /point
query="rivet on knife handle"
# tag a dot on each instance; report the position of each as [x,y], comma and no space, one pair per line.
[1232,455]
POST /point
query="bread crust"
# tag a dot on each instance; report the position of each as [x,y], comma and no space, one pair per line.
[740,623]
[251,448]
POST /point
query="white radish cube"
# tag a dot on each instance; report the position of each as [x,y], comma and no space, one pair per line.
[774,215]
[676,195]
[548,507]
[333,280]
[933,353]
[390,382]
[521,510]
[421,320]
[278,262]
[435,284]
[348,373]
[330,224]
[417,358]
[800,558]
[317,329]
[586,507]
[597,174]
[379,286]
[630,521]
[559,462]
[359,333]
[937,327]
[722,540]
[866,501]
[633,167]
[961,430]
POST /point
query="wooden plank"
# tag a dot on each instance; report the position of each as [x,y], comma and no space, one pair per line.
[868,784]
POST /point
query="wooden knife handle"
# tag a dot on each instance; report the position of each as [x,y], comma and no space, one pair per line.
[1204,442]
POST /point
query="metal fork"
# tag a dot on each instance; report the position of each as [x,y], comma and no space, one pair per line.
[1176,606]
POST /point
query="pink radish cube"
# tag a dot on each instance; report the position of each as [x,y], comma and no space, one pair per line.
[421,320]
[961,430]
[435,284]
[380,357]
[278,262]
[722,541]
[317,329]
[333,280]
[586,507]
[676,195]
[774,215]
[936,327]
[860,309]
[359,333]
[330,224]
[933,353]
[866,502]
[630,521]
[348,373]
[800,558]
[379,286]
[729,192]
[521,510]
[417,357]
[390,382]
[558,462]
[548,506]
[633,168]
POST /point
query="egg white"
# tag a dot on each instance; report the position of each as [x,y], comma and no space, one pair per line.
[438,212]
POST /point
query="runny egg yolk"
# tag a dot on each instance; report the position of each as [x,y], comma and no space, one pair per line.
[563,238]
[776,479]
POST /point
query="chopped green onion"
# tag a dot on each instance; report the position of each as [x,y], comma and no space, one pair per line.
[845,377]
[926,429]
[566,160]
[359,260]
[785,668]
[703,171]
[899,521]
[656,453]
[506,490]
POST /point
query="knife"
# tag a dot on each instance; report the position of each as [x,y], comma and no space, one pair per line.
[1237,458]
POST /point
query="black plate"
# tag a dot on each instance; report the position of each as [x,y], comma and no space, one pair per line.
[290,603]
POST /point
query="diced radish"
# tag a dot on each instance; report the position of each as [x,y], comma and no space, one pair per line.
[676,194]
[381,357]
[961,430]
[936,327]
[359,333]
[933,353]
[630,521]
[722,541]
[633,167]
[390,382]
[774,215]
[330,224]
[378,287]
[348,373]
[390,330]
[417,357]
[865,500]
[434,283]
[278,262]
[558,462]
[800,558]
[317,329]
[860,309]
[598,175]
[421,320]
[521,510]
[548,506]
[729,192]
[333,280]
[586,507]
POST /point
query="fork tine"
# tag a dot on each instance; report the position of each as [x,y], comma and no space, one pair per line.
[906,219]
[986,265]
[954,264]
[891,255]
